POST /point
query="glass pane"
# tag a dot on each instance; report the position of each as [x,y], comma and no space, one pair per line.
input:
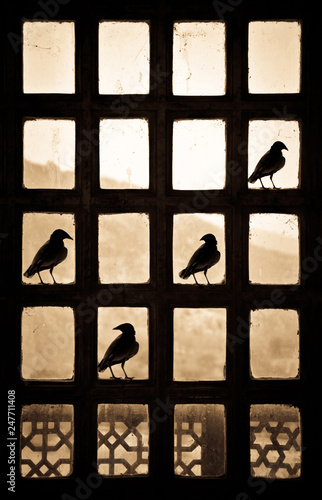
[124,248]
[47,343]
[49,154]
[124,57]
[200,440]
[275,441]
[110,318]
[274,248]
[37,231]
[122,439]
[274,343]
[199,154]
[199,58]
[124,154]
[274,57]
[48,57]
[262,135]
[199,344]
[188,229]
[47,441]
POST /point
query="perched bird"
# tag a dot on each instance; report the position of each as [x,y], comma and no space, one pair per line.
[120,350]
[269,164]
[52,253]
[205,257]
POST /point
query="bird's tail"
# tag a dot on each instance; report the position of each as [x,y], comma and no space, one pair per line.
[102,365]
[185,273]
[30,272]
[252,178]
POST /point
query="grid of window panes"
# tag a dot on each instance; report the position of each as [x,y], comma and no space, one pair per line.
[199,164]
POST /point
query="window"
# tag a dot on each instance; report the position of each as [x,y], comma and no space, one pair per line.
[133,131]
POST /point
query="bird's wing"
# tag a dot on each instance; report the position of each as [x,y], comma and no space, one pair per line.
[115,350]
[133,350]
[268,164]
[43,257]
[199,256]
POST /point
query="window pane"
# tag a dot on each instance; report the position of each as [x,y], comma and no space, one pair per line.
[200,440]
[124,248]
[49,154]
[111,317]
[199,154]
[199,58]
[187,231]
[122,439]
[275,441]
[47,344]
[47,441]
[37,230]
[124,57]
[273,248]
[274,57]
[48,57]
[124,154]
[262,135]
[274,343]
[199,344]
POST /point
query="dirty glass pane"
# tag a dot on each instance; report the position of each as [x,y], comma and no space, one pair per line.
[49,154]
[48,57]
[187,231]
[37,230]
[200,440]
[124,248]
[274,57]
[199,154]
[275,441]
[274,343]
[124,153]
[199,344]
[111,317]
[262,134]
[47,343]
[47,441]
[124,57]
[199,58]
[123,439]
[273,248]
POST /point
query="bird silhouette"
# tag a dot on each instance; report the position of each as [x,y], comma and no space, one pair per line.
[269,164]
[52,253]
[120,350]
[205,257]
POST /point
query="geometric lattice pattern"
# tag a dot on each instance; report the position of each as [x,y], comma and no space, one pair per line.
[275,441]
[47,436]
[123,439]
[199,440]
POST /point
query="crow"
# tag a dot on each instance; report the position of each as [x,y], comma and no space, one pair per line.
[205,257]
[120,350]
[52,253]
[269,164]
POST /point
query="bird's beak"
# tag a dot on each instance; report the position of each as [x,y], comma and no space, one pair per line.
[286,148]
[68,237]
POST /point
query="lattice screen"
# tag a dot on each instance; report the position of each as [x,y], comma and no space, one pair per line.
[47,440]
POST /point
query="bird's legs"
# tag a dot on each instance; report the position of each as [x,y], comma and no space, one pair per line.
[113,376]
[195,279]
[271,177]
[205,273]
[263,184]
[40,278]
[128,378]
[51,272]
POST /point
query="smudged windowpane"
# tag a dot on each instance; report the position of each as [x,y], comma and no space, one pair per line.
[124,57]
[47,441]
[124,248]
[124,153]
[261,136]
[199,58]
[200,440]
[111,317]
[123,439]
[47,343]
[199,344]
[274,343]
[37,229]
[49,154]
[199,154]
[275,441]
[187,231]
[274,57]
[273,248]
[48,57]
